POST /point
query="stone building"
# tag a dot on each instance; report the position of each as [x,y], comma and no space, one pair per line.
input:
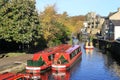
[111,26]
[94,22]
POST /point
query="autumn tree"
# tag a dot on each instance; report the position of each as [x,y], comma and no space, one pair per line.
[52,29]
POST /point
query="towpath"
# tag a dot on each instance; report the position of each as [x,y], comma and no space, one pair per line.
[10,62]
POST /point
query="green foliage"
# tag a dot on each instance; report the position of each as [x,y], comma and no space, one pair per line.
[54,42]
[54,31]
[19,21]
[15,54]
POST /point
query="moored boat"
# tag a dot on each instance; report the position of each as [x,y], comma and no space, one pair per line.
[42,60]
[19,76]
[88,45]
[12,76]
[66,59]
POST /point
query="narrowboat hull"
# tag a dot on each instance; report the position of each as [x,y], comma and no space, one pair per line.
[65,67]
[42,69]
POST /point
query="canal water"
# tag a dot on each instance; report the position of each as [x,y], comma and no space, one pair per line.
[94,65]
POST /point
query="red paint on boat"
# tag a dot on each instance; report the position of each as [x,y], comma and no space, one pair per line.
[46,56]
[63,75]
[12,76]
[66,59]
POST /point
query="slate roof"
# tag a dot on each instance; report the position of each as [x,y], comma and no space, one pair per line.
[116,22]
[111,13]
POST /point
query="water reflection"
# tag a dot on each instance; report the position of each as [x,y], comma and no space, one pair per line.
[112,63]
[94,66]
[88,51]
[65,75]
[51,75]
[115,68]
[36,76]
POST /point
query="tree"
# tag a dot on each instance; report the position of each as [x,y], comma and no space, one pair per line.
[52,26]
[19,21]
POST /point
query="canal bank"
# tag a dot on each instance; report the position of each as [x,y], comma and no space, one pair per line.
[112,47]
[14,64]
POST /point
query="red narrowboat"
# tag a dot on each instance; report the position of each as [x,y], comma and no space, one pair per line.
[42,60]
[66,59]
[12,76]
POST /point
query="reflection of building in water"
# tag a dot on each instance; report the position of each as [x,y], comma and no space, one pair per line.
[65,75]
[112,64]
[116,68]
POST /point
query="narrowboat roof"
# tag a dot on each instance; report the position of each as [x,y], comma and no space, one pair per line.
[72,48]
[47,51]
[37,55]
[50,50]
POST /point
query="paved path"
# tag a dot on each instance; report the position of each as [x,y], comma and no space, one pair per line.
[10,61]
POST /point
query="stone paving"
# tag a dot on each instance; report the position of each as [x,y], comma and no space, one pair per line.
[10,62]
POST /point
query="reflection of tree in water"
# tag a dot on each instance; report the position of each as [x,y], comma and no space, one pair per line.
[75,41]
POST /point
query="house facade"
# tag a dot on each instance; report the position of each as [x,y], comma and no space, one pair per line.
[111,26]
[116,29]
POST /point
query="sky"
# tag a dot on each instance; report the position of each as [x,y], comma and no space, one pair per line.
[80,7]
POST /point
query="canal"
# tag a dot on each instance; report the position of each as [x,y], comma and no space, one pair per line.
[94,65]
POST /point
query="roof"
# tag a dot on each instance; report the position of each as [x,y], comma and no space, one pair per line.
[116,22]
[111,13]
[72,48]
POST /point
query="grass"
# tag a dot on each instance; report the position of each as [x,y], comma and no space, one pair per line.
[14,54]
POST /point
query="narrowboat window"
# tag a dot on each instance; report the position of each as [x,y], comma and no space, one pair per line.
[50,57]
[76,51]
[72,55]
[79,49]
